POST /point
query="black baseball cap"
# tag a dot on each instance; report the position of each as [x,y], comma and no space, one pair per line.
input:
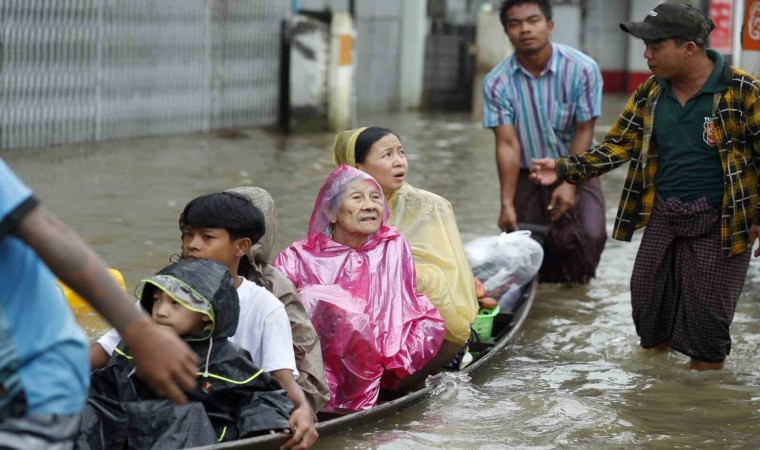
[672,20]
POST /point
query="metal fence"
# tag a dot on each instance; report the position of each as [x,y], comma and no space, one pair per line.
[449,66]
[83,70]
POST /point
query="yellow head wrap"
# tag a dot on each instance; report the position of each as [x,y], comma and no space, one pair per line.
[344,149]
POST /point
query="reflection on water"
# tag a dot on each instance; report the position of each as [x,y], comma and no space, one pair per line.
[575,376]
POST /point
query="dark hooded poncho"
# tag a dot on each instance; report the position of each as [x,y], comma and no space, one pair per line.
[233,399]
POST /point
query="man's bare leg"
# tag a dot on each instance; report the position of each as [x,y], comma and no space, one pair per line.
[702,365]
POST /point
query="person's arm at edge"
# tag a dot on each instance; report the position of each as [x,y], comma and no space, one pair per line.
[588,103]
[302,418]
[583,137]
[563,197]
[98,356]
[162,359]
[588,106]
[277,331]
[308,348]
[508,168]
[753,124]
[612,152]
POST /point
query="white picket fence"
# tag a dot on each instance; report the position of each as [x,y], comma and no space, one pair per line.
[84,70]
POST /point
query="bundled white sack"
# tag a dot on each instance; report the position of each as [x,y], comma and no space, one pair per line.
[504,263]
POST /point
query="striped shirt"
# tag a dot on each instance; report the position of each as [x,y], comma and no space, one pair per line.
[543,110]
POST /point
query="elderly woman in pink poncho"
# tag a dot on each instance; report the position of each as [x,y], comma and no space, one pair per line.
[356,278]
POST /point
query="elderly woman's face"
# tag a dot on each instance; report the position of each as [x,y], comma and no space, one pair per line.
[386,162]
[360,212]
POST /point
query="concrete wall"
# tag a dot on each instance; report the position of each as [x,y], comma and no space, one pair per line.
[389,51]
[751,62]
[308,67]
[607,43]
[567,25]
[378,55]
[321,5]
[492,45]
[414,33]
[638,71]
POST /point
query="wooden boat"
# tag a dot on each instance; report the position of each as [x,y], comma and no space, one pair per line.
[505,327]
[506,324]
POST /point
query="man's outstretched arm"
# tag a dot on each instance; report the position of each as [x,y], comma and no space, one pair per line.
[563,197]
[161,357]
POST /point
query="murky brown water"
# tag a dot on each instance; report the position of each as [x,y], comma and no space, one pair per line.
[575,376]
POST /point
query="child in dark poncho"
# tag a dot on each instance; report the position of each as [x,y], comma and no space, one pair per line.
[234,399]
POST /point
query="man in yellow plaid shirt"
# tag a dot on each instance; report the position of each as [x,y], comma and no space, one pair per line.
[691,134]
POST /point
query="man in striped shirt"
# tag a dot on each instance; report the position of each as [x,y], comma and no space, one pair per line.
[542,101]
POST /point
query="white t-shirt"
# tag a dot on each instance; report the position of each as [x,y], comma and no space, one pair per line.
[261,314]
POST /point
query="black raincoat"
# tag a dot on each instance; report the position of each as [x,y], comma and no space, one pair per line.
[233,399]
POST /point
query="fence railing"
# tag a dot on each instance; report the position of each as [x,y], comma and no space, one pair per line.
[84,70]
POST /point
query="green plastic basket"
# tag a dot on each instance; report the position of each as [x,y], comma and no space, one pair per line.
[483,324]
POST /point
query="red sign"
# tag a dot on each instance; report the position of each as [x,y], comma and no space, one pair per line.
[722,13]
[751,33]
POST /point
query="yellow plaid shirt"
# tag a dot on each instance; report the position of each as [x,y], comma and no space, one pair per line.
[736,119]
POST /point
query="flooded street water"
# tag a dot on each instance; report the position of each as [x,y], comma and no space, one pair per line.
[575,376]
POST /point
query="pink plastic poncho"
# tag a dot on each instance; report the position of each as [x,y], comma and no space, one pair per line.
[374,327]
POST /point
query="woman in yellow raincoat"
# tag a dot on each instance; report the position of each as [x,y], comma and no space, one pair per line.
[427,222]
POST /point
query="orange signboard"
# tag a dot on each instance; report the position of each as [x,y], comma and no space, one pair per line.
[751,33]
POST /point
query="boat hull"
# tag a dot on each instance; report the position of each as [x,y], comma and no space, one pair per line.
[506,326]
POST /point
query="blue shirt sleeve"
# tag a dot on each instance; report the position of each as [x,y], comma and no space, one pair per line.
[497,109]
[589,98]
[13,191]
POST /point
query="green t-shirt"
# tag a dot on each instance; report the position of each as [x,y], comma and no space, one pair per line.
[688,165]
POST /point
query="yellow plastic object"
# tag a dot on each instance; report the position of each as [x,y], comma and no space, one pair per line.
[77,303]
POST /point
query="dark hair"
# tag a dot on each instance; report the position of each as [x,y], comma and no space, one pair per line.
[366,140]
[677,41]
[681,41]
[230,211]
[506,5]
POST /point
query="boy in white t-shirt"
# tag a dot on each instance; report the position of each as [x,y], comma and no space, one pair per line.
[223,227]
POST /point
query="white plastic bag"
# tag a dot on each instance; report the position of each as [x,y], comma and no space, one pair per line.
[504,260]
